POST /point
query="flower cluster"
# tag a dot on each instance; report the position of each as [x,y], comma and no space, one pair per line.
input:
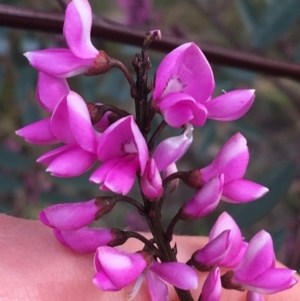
[118,143]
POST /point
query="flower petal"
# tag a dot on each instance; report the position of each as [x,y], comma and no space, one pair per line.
[252,296]
[117,175]
[214,251]
[38,132]
[65,162]
[158,289]
[179,108]
[58,62]
[185,69]
[176,273]
[80,122]
[60,123]
[151,182]
[212,288]
[230,106]
[232,160]
[77,29]
[172,149]
[59,89]
[122,138]
[259,254]
[84,240]
[69,216]
[242,191]
[205,201]
[116,268]
[271,281]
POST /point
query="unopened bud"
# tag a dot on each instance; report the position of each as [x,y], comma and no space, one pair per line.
[151,36]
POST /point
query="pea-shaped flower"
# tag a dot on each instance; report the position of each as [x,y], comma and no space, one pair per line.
[64,62]
[183,90]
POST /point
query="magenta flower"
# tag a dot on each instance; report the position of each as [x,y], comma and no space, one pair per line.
[183,89]
[257,272]
[252,296]
[212,288]
[223,178]
[232,161]
[70,216]
[70,113]
[116,269]
[172,149]
[204,201]
[225,248]
[40,132]
[151,182]
[63,62]
[124,152]
[84,240]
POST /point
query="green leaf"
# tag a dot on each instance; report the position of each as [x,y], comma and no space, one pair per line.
[278,18]
[53,197]
[239,74]
[208,136]
[9,183]
[14,161]
[79,183]
[278,179]
[248,14]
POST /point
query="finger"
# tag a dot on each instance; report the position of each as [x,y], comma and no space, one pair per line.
[34,266]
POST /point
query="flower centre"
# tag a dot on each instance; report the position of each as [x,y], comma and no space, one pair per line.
[130,147]
[174,85]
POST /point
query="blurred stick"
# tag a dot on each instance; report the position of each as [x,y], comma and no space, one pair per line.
[35,20]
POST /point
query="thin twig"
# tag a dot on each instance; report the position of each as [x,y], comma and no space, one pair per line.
[42,21]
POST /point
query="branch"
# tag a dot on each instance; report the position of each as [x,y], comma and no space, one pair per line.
[35,20]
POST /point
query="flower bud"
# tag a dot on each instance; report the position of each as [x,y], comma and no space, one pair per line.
[151,183]
[73,216]
[84,240]
[211,290]
[205,200]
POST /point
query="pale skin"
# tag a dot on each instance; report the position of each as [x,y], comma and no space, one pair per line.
[36,267]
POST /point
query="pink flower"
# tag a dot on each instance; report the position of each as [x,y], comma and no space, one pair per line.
[257,272]
[212,288]
[84,240]
[116,269]
[124,152]
[225,248]
[70,113]
[73,216]
[172,149]
[223,178]
[164,157]
[183,88]
[252,296]
[204,201]
[232,161]
[151,182]
[63,62]
[40,132]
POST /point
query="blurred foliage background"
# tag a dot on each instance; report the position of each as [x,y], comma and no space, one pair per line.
[268,28]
